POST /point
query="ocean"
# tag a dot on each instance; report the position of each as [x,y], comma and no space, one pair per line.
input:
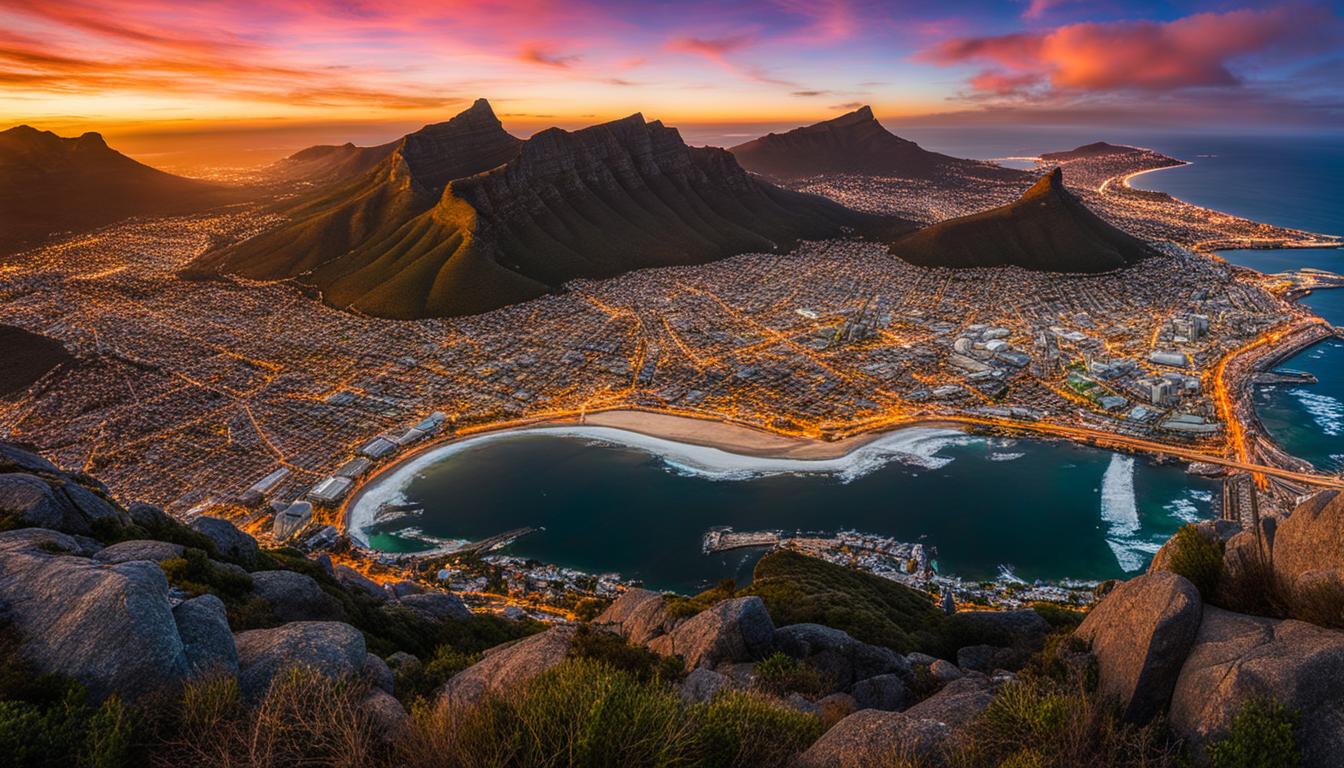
[612,501]
[991,508]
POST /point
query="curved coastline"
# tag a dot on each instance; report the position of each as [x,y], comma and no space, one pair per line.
[716,450]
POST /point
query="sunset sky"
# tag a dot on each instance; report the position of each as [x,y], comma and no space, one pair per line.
[155,68]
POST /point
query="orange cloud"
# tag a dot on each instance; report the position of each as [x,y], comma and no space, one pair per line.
[545,55]
[1197,50]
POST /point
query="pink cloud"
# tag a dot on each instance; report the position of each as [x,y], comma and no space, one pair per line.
[546,55]
[715,49]
[1196,50]
[1003,84]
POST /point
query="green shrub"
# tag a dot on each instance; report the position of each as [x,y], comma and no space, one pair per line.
[780,674]
[612,649]
[195,573]
[1261,737]
[414,681]
[682,607]
[1197,558]
[589,608]
[48,720]
[740,730]
[1059,617]
[798,589]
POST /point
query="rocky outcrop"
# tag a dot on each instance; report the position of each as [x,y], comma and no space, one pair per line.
[1308,557]
[507,667]
[229,542]
[1140,634]
[841,659]
[739,629]
[887,692]
[55,502]
[139,549]
[702,684]
[295,597]
[872,737]
[109,626]
[353,579]
[332,648]
[956,704]
[639,616]
[1238,657]
[203,624]
[435,606]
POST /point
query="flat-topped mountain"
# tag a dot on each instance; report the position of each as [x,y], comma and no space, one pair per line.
[1047,229]
[854,143]
[465,218]
[50,184]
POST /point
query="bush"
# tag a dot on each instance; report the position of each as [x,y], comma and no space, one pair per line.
[1261,737]
[798,589]
[1034,722]
[195,573]
[682,607]
[414,681]
[644,665]
[586,713]
[304,719]
[742,730]
[780,674]
[1197,558]
[1059,617]
[48,720]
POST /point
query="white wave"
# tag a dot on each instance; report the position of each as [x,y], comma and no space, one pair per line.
[1326,411]
[915,446]
[1005,456]
[1007,576]
[1120,511]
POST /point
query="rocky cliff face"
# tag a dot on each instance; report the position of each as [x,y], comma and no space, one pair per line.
[854,143]
[463,219]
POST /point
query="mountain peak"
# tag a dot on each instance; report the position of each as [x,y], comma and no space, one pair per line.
[1051,183]
[1047,229]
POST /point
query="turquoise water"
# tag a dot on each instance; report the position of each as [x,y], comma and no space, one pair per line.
[1307,420]
[1037,509]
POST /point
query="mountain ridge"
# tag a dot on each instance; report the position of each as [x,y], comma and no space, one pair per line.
[466,218]
[51,184]
[853,143]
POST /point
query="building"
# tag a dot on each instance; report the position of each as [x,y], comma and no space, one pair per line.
[263,487]
[291,520]
[378,447]
[1160,391]
[330,490]
[1167,357]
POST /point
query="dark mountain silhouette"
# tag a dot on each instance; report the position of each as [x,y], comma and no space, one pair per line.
[328,164]
[1095,149]
[28,356]
[466,218]
[854,143]
[50,184]
[1047,229]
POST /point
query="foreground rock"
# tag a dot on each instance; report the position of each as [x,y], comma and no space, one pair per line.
[871,737]
[436,606]
[229,542]
[109,626]
[956,704]
[207,641]
[733,630]
[843,660]
[1238,657]
[1140,635]
[639,616]
[330,647]
[296,597]
[507,666]
[1308,557]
